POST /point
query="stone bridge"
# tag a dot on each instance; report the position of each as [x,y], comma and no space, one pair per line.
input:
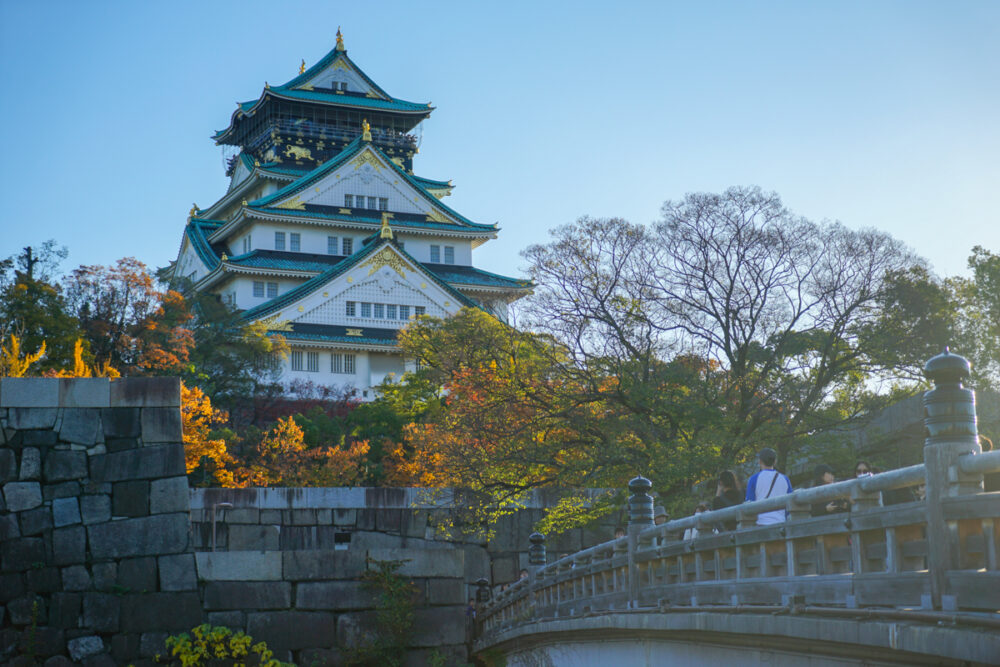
[907,584]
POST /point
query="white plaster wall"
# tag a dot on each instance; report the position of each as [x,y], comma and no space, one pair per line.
[313,238]
[420,248]
[242,286]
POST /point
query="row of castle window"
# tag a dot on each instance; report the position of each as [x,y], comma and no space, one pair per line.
[382,311]
[294,241]
[333,247]
[449,254]
[258,289]
[339,363]
[374,203]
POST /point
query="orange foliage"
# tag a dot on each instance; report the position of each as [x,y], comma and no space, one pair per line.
[199,417]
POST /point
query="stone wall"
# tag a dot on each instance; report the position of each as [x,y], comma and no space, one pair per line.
[361,519]
[95,556]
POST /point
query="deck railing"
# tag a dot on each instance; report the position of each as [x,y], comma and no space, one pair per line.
[933,557]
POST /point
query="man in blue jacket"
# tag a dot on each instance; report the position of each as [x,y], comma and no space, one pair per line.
[768,483]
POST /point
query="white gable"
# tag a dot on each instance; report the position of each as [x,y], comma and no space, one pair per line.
[337,73]
[368,175]
[240,174]
[385,278]
[189,265]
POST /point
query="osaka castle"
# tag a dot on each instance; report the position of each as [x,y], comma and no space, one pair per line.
[328,236]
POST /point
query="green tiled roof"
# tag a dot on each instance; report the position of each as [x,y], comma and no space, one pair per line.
[432,184]
[470,275]
[350,150]
[338,334]
[197,232]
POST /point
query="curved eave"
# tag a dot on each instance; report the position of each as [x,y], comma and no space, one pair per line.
[493,289]
[325,62]
[338,343]
[236,194]
[393,105]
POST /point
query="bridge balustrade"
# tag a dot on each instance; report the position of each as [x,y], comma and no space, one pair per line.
[919,559]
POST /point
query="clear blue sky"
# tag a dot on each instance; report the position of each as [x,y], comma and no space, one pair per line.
[879,114]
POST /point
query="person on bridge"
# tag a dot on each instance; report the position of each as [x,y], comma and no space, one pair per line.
[768,483]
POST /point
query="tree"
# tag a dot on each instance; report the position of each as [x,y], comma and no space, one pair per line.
[127,321]
[15,362]
[36,313]
[204,450]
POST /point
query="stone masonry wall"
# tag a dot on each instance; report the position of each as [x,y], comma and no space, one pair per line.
[95,555]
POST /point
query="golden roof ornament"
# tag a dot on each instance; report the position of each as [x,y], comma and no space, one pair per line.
[224,257]
[366,130]
[302,67]
[256,162]
[193,212]
[340,41]
[244,202]
[386,231]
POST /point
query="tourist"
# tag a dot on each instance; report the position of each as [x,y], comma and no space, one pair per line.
[991,480]
[822,475]
[728,492]
[692,532]
[660,515]
[768,483]
[863,469]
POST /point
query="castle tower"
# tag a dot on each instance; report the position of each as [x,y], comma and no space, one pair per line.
[327,234]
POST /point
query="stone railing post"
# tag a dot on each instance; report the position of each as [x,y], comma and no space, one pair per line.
[536,553]
[640,511]
[950,430]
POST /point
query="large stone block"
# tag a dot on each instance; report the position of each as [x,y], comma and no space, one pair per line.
[248,537]
[248,595]
[8,527]
[21,496]
[31,464]
[322,564]
[439,626]
[101,612]
[389,520]
[332,595]
[82,648]
[424,563]
[125,648]
[161,612]
[23,419]
[76,578]
[11,586]
[445,591]
[47,641]
[65,512]
[61,490]
[356,628]
[153,643]
[121,423]
[105,576]
[152,392]
[137,575]
[81,426]
[169,495]
[130,498]
[146,463]
[95,509]
[44,437]
[29,393]
[240,514]
[44,580]
[161,425]
[294,630]
[36,521]
[177,573]
[20,554]
[64,610]
[28,609]
[161,534]
[63,465]
[69,545]
[239,565]
[8,465]
[85,392]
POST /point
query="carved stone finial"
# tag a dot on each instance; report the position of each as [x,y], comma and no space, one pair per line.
[340,40]
[949,408]
[302,67]
[536,552]
[640,503]
[386,231]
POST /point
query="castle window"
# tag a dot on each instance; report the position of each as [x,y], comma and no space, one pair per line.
[449,254]
[419,310]
[383,203]
[404,312]
[295,242]
[296,360]
[279,240]
[366,309]
[272,290]
[336,363]
[350,308]
[312,362]
[348,246]
[332,245]
[373,202]
[435,254]
[349,364]
[379,311]
[343,85]
[258,289]
[390,312]
[349,201]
